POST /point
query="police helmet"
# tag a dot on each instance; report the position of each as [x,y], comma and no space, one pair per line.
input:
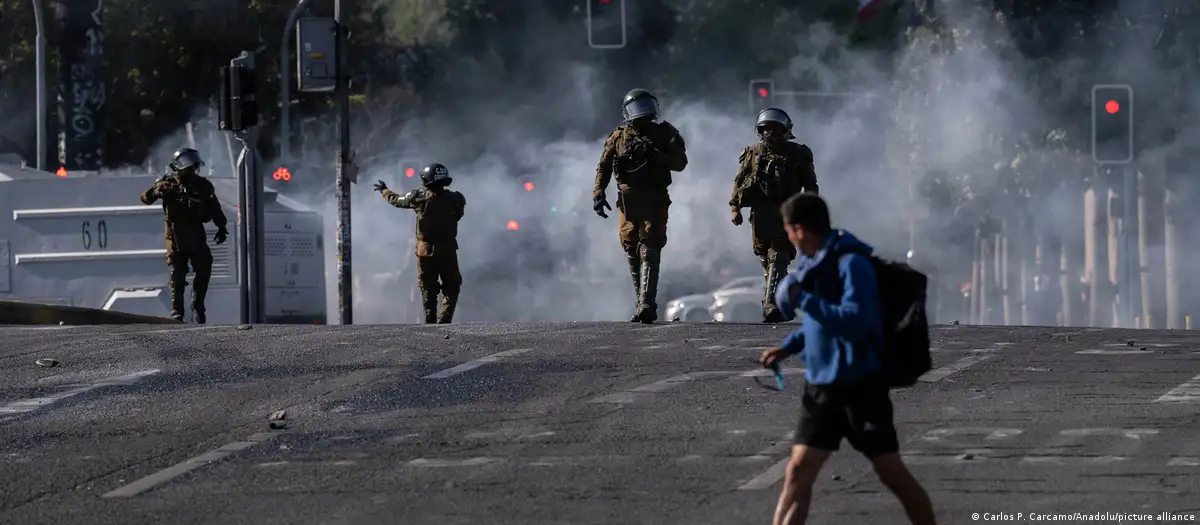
[186,158]
[435,175]
[775,115]
[639,103]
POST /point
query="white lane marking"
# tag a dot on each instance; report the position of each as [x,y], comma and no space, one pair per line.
[939,374]
[777,470]
[658,387]
[778,447]
[1114,352]
[437,463]
[769,477]
[1184,462]
[471,365]
[188,329]
[1155,345]
[29,405]
[179,469]
[1187,392]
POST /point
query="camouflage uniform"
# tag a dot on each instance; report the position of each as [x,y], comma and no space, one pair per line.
[189,201]
[768,173]
[641,154]
[438,211]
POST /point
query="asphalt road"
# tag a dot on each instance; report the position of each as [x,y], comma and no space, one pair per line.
[588,423]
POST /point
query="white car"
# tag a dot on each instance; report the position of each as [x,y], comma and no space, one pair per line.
[696,308]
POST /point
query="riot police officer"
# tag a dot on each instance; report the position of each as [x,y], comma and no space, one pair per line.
[641,154]
[438,211]
[188,201]
[769,172]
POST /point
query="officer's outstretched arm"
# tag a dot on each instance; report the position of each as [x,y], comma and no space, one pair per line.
[148,197]
[739,180]
[407,201]
[604,168]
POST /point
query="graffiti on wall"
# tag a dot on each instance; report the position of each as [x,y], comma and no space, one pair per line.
[81,86]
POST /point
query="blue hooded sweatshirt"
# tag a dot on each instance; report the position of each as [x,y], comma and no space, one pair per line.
[842,334]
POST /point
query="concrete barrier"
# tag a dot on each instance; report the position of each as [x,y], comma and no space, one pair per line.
[23,313]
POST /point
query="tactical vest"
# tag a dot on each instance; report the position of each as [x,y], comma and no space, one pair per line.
[633,166]
[437,218]
[776,176]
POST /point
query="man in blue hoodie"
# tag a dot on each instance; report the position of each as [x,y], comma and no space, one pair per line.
[834,288]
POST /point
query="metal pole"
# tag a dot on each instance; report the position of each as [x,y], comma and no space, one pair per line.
[345,281]
[285,85]
[1128,246]
[40,53]
[243,236]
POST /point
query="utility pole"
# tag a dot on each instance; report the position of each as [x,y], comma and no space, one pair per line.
[345,174]
[316,40]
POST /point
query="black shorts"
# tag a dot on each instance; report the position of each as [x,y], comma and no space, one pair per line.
[863,415]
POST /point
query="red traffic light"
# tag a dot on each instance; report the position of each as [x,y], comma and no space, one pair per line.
[528,186]
[1112,107]
[410,172]
[763,92]
[513,226]
[282,174]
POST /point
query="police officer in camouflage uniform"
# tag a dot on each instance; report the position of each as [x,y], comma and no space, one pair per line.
[188,201]
[769,172]
[438,211]
[641,154]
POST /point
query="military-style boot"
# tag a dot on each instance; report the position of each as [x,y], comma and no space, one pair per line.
[430,303]
[768,299]
[775,273]
[448,304]
[199,292]
[647,306]
[178,287]
[635,272]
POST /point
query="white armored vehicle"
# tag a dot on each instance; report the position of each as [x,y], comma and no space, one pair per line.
[86,240]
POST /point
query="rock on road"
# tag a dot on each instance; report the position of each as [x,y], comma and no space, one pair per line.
[587,423]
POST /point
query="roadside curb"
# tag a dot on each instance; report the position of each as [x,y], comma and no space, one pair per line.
[24,313]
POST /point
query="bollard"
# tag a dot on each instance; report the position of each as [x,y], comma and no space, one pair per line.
[1137,322]
[1187,322]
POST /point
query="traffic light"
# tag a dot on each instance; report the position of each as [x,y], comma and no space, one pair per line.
[606,24]
[1112,124]
[513,226]
[528,186]
[762,94]
[238,105]
[410,172]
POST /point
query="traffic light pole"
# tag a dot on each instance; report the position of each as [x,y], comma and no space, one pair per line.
[344,246]
[252,265]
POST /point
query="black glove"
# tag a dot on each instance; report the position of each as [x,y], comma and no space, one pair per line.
[221,235]
[599,204]
[380,186]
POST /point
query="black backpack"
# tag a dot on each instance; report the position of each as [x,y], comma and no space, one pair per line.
[906,342]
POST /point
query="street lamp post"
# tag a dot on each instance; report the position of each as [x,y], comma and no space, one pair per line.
[40,63]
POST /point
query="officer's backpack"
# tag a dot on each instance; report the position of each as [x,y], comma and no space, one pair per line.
[906,343]
[902,292]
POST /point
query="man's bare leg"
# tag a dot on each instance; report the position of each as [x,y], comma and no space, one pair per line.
[897,478]
[802,472]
